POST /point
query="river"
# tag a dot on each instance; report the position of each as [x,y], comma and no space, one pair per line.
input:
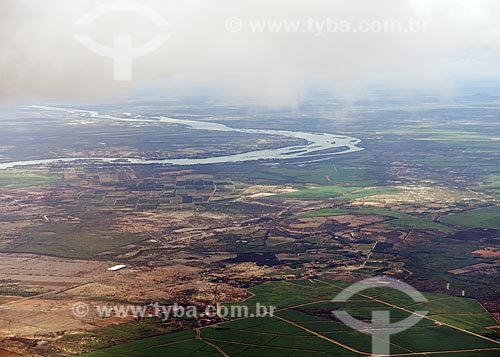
[316,142]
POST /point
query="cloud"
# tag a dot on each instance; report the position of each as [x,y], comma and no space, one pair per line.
[40,57]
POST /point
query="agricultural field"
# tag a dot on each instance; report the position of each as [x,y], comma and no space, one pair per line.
[488,217]
[339,192]
[21,179]
[332,174]
[304,325]
[398,218]
[73,240]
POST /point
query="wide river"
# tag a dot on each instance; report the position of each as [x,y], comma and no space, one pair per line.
[316,142]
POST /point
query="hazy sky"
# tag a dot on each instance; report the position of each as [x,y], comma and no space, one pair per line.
[40,57]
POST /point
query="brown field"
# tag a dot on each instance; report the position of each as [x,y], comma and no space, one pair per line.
[5,353]
[357,221]
[35,317]
[47,271]
[471,268]
[488,252]
[8,299]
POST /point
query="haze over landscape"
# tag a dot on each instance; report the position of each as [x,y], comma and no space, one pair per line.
[249,178]
[460,40]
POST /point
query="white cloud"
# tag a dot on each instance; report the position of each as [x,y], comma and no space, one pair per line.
[40,57]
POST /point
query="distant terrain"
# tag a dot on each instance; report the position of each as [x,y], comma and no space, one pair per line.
[420,203]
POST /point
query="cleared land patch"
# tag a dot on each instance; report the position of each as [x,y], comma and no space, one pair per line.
[399,218]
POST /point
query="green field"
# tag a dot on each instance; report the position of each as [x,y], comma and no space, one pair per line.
[304,326]
[107,336]
[319,175]
[20,179]
[73,240]
[488,217]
